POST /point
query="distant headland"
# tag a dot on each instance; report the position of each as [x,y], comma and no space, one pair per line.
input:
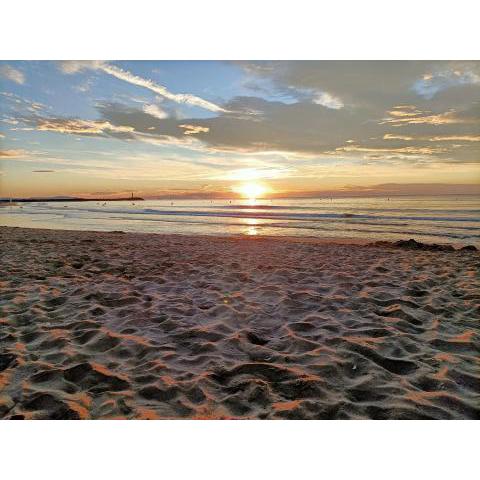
[69,199]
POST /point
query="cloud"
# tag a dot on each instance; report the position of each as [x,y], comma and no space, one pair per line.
[401,150]
[121,122]
[13,107]
[189,143]
[380,114]
[328,101]
[13,74]
[84,86]
[389,136]
[10,121]
[369,82]
[417,118]
[155,111]
[7,154]
[277,126]
[456,138]
[438,138]
[355,83]
[298,131]
[194,129]
[77,126]
[432,83]
[71,67]
[262,173]
[400,111]
[43,171]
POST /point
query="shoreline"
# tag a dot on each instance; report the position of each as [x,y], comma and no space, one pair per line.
[257,237]
[104,325]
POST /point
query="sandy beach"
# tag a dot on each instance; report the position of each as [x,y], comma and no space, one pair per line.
[143,326]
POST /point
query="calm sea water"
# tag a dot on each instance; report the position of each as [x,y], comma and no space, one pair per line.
[445,219]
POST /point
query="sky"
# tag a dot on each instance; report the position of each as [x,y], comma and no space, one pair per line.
[218,129]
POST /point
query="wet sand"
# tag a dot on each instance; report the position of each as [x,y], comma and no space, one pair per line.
[144,326]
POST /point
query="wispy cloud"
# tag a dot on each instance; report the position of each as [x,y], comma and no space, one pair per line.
[84,86]
[432,83]
[262,173]
[15,104]
[437,138]
[71,67]
[417,118]
[328,100]
[456,138]
[399,150]
[9,121]
[13,153]
[77,126]
[389,136]
[404,111]
[155,111]
[13,74]
[194,129]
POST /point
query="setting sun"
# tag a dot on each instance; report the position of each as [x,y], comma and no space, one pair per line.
[251,190]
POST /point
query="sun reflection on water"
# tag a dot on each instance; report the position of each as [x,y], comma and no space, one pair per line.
[251,226]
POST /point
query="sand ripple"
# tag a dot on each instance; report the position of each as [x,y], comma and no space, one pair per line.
[111,325]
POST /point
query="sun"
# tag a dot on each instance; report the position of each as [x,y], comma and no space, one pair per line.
[252,190]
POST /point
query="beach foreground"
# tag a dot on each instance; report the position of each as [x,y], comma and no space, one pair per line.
[113,325]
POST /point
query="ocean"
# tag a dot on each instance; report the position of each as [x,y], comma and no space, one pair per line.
[440,219]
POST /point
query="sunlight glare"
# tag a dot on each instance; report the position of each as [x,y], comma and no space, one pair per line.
[252,190]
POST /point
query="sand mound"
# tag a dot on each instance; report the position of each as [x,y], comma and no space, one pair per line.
[102,325]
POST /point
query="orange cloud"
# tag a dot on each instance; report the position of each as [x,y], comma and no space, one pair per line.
[194,129]
[389,136]
[80,127]
[437,119]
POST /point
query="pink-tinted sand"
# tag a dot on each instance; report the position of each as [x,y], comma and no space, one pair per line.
[111,325]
